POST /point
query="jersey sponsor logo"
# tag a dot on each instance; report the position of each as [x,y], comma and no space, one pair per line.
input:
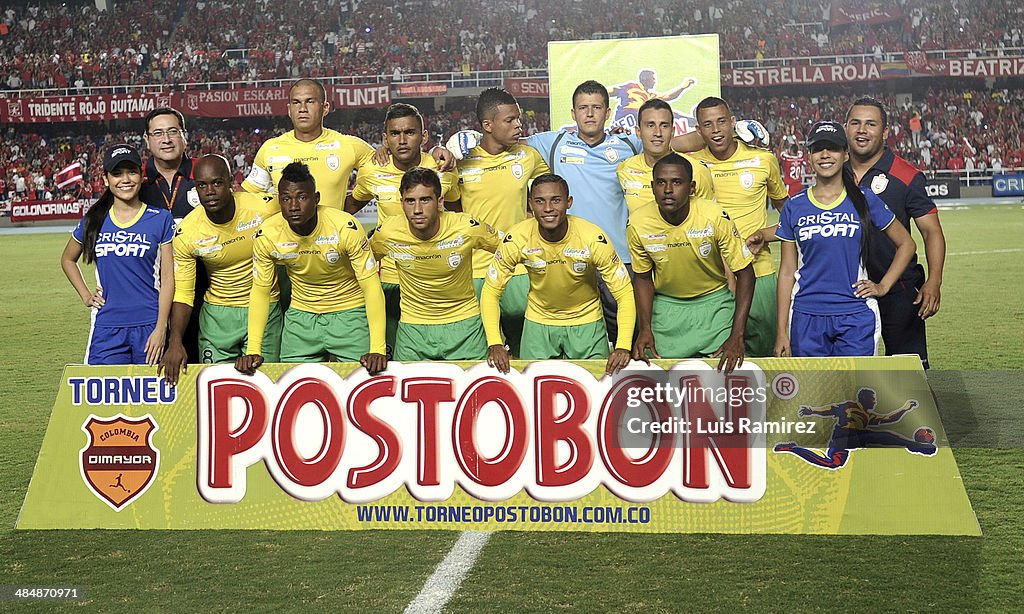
[332,256]
[205,241]
[276,255]
[384,176]
[326,146]
[199,252]
[569,149]
[571,252]
[333,162]
[571,160]
[828,230]
[470,171]
[630,184]
[450,243]
[579,267]
[253,223]
[700,233]
[279,160]
[754,162]
[454,260]
[704,249]
[517,170]
[327,239]
[536,263]
[530,251]
[401,256]
[385,189]
[879,183]
[655,247]
[122,243]
[747,179]
[610,154]
[657,235]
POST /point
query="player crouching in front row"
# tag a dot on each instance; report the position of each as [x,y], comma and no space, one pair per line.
[337,306]
[680,247]
[563,255]
[433,253]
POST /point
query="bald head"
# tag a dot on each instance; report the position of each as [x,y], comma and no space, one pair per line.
[212,164]
[212,177]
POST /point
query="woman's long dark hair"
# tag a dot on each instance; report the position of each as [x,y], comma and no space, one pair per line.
[93,222]
[860,203]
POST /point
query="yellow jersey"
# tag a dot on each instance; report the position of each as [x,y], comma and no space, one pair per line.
[635,177]
[436,275]
[563,277]
[687,259]
[225,249]
[743,185]
[382,183]
[331,159]
[494,189]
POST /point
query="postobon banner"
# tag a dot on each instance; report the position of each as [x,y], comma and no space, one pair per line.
[779,446]
[682,70]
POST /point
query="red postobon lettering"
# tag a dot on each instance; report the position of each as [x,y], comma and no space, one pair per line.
[552,430]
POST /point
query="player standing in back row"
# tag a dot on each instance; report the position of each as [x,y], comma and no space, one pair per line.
[745,179]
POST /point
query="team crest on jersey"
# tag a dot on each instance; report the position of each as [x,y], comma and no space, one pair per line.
[119,459]
[454,260]
[332,256]
[193,198]
[333,161]
[611,154]
[517,170]
[879,183]
[747,180]
[579,266]
[704,249]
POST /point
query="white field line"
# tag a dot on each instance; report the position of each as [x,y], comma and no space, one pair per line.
[1012,250]
[449,574]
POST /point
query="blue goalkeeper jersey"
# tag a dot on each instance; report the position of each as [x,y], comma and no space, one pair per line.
[128,266]
[827,237]
[590,171]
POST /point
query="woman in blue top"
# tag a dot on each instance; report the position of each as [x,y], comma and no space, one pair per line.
[130,243]
[826,302]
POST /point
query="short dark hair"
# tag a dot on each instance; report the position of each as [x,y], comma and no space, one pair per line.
[710,103]
[297,172]
[653,103]
[420,176]
[550,178]
[674,159]
[157,112]
[590,87]
[489,101]
[400,110]
[868,101]
[313,82]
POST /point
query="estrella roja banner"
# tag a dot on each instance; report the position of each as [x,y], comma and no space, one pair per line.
[682,70]
[779,446]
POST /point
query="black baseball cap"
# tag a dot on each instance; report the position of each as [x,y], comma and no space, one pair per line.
[117,155]
[827,132]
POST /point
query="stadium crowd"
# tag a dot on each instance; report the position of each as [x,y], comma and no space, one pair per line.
[73,45]
[957,133]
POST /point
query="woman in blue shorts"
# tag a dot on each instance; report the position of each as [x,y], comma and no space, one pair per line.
[130,243]
[826,302]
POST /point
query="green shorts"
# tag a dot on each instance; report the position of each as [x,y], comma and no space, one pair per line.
[576,342]
[513,309]
[462,340]
[687,328]
[224,332]
[764,315]
[316,337]
[393,309]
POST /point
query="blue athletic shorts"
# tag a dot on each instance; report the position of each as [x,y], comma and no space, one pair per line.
[118,345]
[848,334]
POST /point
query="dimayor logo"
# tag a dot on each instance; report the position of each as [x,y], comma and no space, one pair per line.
[119,460]
[859,425]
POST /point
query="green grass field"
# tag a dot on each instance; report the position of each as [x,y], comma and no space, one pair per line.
[976,335]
